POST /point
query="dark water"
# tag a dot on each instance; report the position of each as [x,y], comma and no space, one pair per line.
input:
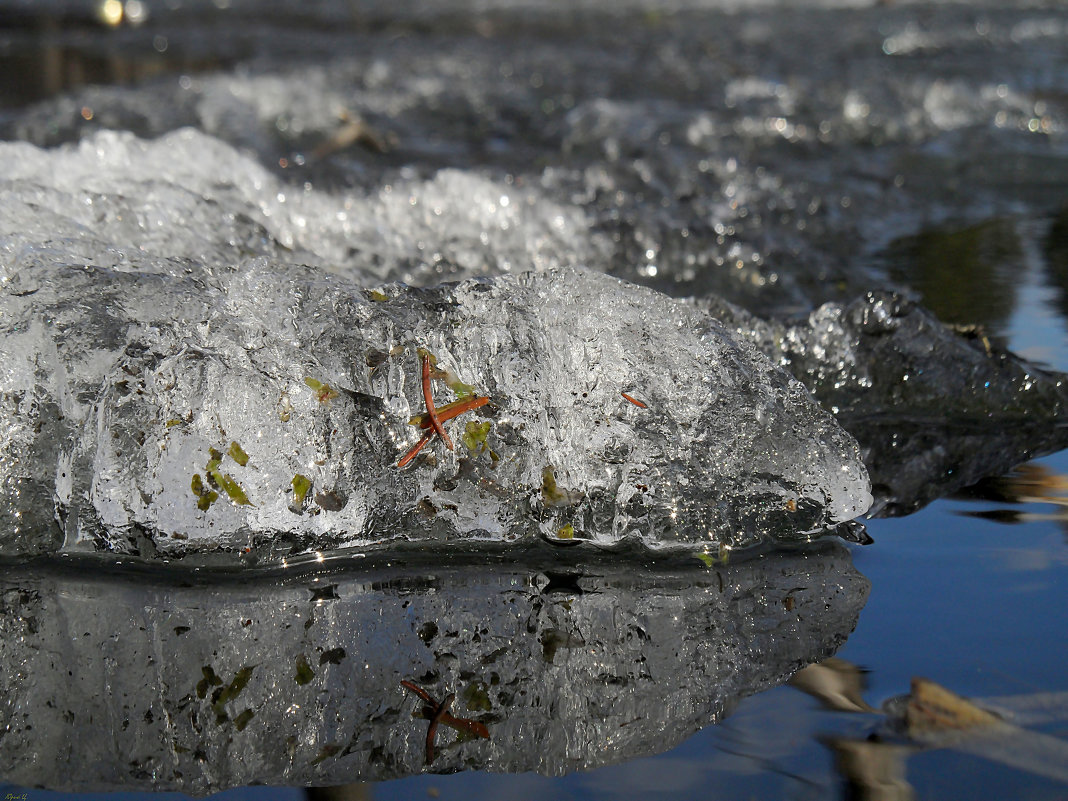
[968,592]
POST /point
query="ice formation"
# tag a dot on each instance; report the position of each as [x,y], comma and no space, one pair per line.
[188,195]
[203,400]
[218,283]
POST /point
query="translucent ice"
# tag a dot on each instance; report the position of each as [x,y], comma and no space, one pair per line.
[189,195]
[267,408]
[173,385]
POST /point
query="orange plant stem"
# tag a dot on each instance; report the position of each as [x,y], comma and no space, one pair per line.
[432,729]
[415,688]
[433,709]
[449,411]
[411,454]
[466,724]
[429,398]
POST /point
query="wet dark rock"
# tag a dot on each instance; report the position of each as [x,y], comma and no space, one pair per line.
[934,407]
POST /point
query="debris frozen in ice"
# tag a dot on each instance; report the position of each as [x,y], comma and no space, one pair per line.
[726,160]
[268,407]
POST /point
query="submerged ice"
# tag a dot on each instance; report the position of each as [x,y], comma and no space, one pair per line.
[203,400]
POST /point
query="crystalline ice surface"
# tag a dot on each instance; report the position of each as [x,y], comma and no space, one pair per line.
[190,195]
[172,385]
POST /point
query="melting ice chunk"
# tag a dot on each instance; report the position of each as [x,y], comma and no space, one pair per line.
[173,384]
[267,407]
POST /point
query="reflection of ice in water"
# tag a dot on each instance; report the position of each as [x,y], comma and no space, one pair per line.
[580,666]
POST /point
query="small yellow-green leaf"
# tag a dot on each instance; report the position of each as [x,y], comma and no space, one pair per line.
[205,501]
[474,436]
[333,656]
[197,485]
[548,483]
[174,422]
[301,485]
[215,459]
[708,559]
[210,678]
[566,533]
[238,454]
[461,389]
[720,558]
[304,672]
[242,720]
[476,699]
[234,688]
[323,392]
[553,494]
[327,751]
[226,482]
[378,297]
[331,501]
